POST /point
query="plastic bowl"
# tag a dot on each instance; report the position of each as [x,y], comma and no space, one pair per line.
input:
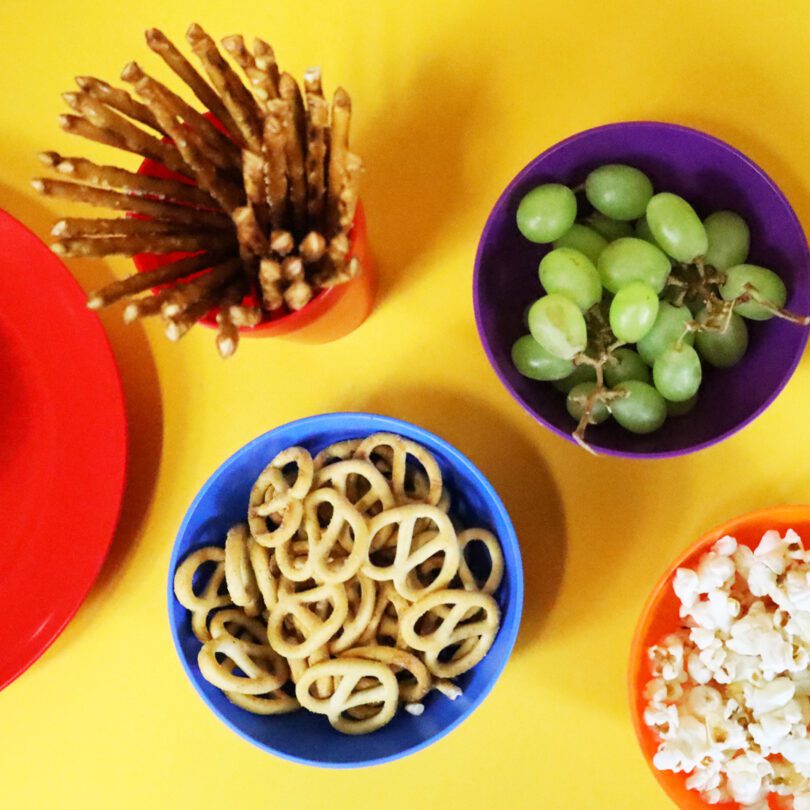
[660,617]
[331,314]
[307,738]
[712,175]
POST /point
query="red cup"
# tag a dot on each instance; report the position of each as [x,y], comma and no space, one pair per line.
[331,314]
[659,618]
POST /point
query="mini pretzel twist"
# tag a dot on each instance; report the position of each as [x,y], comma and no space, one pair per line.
[209,598]
[349,694]
[339,474]
[316,631]
[339,451]
[362,598]
[398,660]
[473,638]
[400,449]
[402,571]
[265,671]
[493,580]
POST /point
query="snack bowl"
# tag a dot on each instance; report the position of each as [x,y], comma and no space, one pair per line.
[659,617]
[308,738]
[710,174]
[331,314]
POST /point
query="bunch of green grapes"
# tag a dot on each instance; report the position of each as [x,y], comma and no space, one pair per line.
[639,295]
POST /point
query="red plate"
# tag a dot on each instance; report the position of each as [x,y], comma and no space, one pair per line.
[62,447]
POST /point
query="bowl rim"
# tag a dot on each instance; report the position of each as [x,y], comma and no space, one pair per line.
[785,512]
[513,614]
[489,225]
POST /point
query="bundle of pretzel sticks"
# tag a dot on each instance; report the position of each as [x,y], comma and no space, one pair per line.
[349,590]
[260,189]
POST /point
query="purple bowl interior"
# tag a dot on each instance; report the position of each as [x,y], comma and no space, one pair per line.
[711,175]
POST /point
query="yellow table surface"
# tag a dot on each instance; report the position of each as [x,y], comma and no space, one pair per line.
[451,100]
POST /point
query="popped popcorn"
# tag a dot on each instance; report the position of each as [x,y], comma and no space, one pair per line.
[729,697]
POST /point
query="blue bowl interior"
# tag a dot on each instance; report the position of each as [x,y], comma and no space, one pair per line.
[304,737]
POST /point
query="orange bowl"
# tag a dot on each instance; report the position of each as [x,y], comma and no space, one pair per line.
[659,618]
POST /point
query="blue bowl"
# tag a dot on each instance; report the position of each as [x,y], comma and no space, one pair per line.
[307,738]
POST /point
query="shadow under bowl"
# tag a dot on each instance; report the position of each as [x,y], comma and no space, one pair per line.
[710,174]
[308,738]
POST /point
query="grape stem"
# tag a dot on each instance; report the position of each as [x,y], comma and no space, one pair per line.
[751,294]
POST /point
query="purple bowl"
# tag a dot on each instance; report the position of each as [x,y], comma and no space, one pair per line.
[712,175]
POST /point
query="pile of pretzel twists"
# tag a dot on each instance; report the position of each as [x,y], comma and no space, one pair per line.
[261,192]
[348,592]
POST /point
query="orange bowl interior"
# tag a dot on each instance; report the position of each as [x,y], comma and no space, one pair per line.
[660,617]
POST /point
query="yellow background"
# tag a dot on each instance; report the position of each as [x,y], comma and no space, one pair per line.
[451,100]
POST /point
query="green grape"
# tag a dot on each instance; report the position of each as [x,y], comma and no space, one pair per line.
[676,227]
[558,326]
[681,408]
[618,191]
[625,364]
[726,348]
[765,286]
[642,410]
[570,273]
[576,406]
[642,231]
[611,229]
[677,373]
[533,361]
[729,239]
[629,259]
[546,212]
[579,375]
[668,329]
[633,311]
[584,239]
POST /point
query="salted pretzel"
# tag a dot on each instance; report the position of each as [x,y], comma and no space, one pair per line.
[402,571]
[493,580]
[411,690]
[275,497]
[361,595]
[317,632]
[209,598]
[339,451]
[348,694]
[323,560]
[473,638]
[264,670]
[400,450]
[239,575]
[345,477]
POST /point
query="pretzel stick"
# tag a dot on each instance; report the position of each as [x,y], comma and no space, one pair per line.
[145,307]
[294,149]
[237,99]
[179,326]
[253,178]
[260,80]
[125,226]
[166,49]
[317,120]
[136,139]
[180,298]
[119,100]
[112,177]
[227,339]
[159,209]
[338,152]
[227,195]
[250,236]
[266,62]
[349,192]
[282,243]
[221,151]
[76,125]
[270,276]
[139,243]
[312,247]
[275,168]
[140,282]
